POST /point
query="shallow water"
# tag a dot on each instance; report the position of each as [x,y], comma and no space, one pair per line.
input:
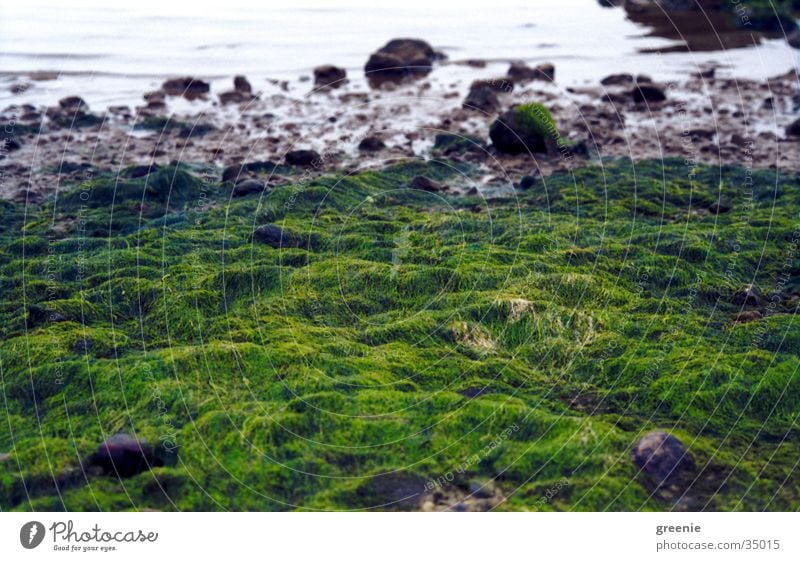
[111,54]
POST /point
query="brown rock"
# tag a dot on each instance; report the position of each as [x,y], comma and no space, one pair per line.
[617,80]
[521,72]
[188,87]
[242,85]
[750,295]
[645,93]
[398,60]
[329,76]
[426,184]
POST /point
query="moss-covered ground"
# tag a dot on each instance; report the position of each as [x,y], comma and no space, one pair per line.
[405,335]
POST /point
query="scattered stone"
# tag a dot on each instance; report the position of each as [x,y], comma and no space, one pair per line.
[750,295]
[644,93]
[328,76]
[38,315]
[398,60]
[247,187]
[188,87]
[483,94]
[793,129]
[84,346]
[661,457]
[794,39]
[9,144]
[371,144]
[748,315]
[449,143]
[738,140]
[617,80]
[141,170]
[303,158]
[423,183]
[521,72]
[123,455]
[195,130]
[242,85]
[275,236]
[73,103]
[233,96]
[527,181]
[19,88]
[393,491]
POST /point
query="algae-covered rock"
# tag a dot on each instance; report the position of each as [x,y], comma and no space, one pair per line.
[523,128]
[123,455]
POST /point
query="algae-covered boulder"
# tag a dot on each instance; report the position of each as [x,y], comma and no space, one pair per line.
[523,128]
[123,455]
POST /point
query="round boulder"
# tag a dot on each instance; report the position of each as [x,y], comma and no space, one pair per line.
[661,457]
[329,76]
[523,128]
[398,60]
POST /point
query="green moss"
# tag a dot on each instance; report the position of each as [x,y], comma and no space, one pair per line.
[535,119]
[406,334]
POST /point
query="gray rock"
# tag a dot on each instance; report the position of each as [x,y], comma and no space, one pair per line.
[661,457]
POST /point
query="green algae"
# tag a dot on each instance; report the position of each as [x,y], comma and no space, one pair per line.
[403,336]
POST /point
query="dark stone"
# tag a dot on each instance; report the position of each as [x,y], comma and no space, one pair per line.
[72,167]
[746,316]
[247,187]
[645,93]
[242,85]
[195,130]
[123,455]
[426,184]
[521,72]
[449,143]
[73,103]
[750,295]
[400,59]
[329,76]
[661,457]
[10,144]
[371,144]
[234,96]
[303,158]
[793,129]
[511,137]
[482,99]
[38,315]
[275,236]
[236,171]
[141,171]
[617,80]
[393,491]
[794,39]
[527,181]
[187,87]
[473,392]
[155,96]
[84,346]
